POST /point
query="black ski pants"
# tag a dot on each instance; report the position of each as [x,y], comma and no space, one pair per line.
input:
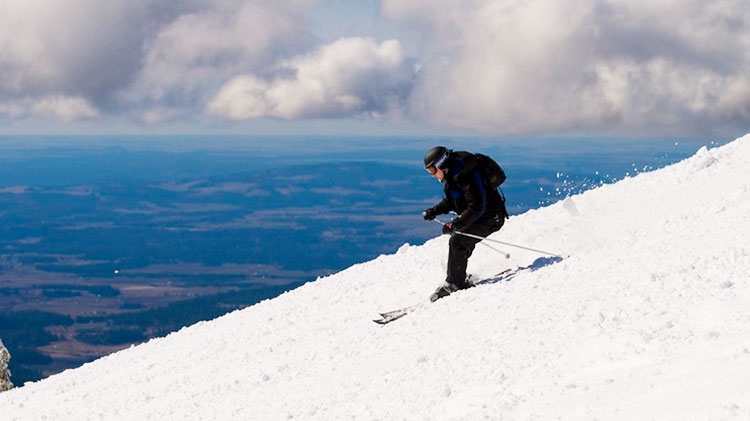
[460,247]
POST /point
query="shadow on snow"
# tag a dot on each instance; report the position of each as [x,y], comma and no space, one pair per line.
[509,274]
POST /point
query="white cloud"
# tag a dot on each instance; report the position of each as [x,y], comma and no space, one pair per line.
[80,47]
[12,110]
[191,57]
[493,66]
[123,56]
[64,108]
[575,65]
[347,77]
[157,115]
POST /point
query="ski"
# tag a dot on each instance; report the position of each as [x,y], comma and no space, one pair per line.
[394,315]
[505,275]
[390,316]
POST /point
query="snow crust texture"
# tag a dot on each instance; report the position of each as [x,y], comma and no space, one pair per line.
[646,317]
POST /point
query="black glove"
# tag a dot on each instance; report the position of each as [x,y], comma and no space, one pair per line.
[429,214]
[448,228]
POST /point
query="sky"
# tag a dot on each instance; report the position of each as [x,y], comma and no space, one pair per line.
[631,68]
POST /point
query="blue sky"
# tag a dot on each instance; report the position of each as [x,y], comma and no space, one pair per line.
[631,68]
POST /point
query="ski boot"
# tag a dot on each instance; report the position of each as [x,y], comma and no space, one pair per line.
[446,289]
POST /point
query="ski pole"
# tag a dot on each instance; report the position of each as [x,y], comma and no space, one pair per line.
[503,243]
[507,255]
[507,244]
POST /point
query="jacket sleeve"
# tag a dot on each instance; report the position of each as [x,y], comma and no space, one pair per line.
[476,200]
[443,207]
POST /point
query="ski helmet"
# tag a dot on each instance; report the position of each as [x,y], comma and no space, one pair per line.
[436,157]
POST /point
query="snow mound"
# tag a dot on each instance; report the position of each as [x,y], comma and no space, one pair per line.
[646,317]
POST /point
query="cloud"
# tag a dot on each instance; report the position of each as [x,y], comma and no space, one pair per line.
[139,58]
[192,56]
[75,48]
[348,77]
[634,67]
[56,107]
[64,108]
[11,110]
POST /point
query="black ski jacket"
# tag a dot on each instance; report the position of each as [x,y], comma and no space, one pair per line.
[466,194]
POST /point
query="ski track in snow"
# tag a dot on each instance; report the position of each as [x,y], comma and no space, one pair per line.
[647,317]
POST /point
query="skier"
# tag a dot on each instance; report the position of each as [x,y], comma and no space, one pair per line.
[481,210]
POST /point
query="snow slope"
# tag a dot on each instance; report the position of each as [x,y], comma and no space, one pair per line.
[647,317]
